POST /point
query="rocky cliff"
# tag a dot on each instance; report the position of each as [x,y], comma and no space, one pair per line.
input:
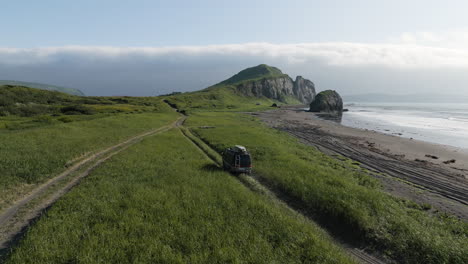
[270,82]
[304,90]
[327,101]
[275,88]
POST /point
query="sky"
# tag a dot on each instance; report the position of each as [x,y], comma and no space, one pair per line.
[148,48]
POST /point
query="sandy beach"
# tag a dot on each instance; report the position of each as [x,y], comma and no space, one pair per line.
[431,174]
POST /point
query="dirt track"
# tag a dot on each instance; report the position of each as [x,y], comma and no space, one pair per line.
[432,184]
[15,220]
[17,217]
[255,183]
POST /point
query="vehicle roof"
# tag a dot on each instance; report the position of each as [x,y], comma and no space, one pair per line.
[239,149]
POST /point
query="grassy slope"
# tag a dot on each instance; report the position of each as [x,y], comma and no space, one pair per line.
[41,132]
[30,156]
[43,87]
[19,101]
[162,201]
[341,196]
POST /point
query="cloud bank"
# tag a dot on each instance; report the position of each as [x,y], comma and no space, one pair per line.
[407,55]
[347,67]
[454,39]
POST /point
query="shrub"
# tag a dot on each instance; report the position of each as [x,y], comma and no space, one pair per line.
[28,110]
[14,126]
[77,110]
[43,119]
[65,119]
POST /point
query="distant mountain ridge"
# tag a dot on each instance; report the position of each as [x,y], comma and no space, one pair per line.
[42,86]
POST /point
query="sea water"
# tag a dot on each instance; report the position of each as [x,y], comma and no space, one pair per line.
[439,123]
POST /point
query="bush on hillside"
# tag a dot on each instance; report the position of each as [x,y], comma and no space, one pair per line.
[77,110]
[28,110]
[43,119]
[65,119]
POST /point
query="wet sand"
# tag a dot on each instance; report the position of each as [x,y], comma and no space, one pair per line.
[407,168]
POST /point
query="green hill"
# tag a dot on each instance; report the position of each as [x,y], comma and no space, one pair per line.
[225,95]
[43,87]
[255,73]
[28,102]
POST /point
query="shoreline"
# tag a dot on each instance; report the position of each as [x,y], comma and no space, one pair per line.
[407,168]
[439,127]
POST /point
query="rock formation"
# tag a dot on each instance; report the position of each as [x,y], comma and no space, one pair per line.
[270,82]
[275,88]
[304,90]
[327,101]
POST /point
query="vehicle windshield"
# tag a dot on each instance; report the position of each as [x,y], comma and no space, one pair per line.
[245,160]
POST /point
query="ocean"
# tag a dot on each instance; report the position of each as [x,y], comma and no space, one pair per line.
[445,124]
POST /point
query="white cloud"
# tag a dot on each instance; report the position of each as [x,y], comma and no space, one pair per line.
[453,39]
[410,52]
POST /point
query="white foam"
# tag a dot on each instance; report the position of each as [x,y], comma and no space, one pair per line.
[444,124]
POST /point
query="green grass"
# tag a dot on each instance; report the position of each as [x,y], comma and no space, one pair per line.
[28,102]
[162,201]
[212,154]
[222,98]
[349,200]
[31,156]
[42,132]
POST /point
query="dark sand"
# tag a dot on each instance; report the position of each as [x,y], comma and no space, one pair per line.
[404,166]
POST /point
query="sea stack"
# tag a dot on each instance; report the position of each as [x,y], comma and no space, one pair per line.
[327,101]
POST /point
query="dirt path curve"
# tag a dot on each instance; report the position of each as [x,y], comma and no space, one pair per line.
[18,216]
[254,183]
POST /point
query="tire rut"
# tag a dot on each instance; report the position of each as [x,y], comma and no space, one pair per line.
[17,217]
[254,183]
[430,179]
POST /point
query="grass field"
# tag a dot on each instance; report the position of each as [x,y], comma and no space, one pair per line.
[163,201]
[19,101]
[348,200]
[30,156]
